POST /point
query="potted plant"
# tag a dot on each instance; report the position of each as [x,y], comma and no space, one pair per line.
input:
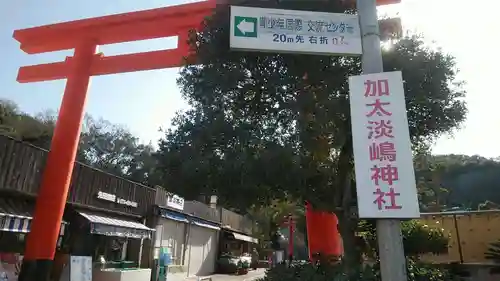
[242,267]
[227,264]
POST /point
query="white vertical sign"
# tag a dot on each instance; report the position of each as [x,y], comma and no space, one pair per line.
[80,268]
[385,179]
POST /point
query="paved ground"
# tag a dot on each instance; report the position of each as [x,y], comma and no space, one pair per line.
[252,275]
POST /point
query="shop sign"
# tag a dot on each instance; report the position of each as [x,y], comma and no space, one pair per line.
[113,198]
[176,202]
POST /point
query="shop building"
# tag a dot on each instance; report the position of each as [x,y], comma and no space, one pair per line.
[192,236]
[103,219]
[188,242]
[106,216]
[113,222]
[236,241]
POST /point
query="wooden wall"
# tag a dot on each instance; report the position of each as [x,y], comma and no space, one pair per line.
[21,167]
[86,182]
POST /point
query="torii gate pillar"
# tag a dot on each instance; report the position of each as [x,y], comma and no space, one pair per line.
[84,36]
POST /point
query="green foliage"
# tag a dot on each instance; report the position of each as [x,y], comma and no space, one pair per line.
[271,217]
[22,126]
[265,126]
[341,272]
[493,252]
[310,272]
[418,238]
[114,149]
[418,271]
[447,181]
[103,145]
[243,264]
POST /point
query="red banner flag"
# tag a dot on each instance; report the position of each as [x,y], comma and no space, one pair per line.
[322,233]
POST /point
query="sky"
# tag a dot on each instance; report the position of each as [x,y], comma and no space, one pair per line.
[146,101]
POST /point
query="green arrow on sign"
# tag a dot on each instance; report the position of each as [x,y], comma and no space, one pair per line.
[245,27]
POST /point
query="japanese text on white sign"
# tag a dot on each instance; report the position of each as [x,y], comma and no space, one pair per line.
[294,31]
[385,179]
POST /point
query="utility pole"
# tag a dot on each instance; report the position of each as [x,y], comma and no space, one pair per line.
[390,240]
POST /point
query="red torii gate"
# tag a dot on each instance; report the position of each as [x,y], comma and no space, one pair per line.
[84,36]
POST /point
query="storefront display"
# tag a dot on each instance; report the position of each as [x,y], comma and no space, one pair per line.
[16,214]
[10,264]
[235,243]
[104,213]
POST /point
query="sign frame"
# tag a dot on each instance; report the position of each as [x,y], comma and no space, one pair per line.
[174,201]
[383,158]
[293,31]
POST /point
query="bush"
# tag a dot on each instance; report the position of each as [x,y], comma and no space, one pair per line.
[310,272]
[340,272]
[418,271]
[418,238]
[243,264]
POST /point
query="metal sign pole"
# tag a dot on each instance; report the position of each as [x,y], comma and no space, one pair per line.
[390,241]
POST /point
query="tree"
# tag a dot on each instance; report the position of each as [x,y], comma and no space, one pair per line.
[432,193]
[114,149]
[272,217]
[8,112]
[265,126]
[458,181]
[22,126]
[103,145]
